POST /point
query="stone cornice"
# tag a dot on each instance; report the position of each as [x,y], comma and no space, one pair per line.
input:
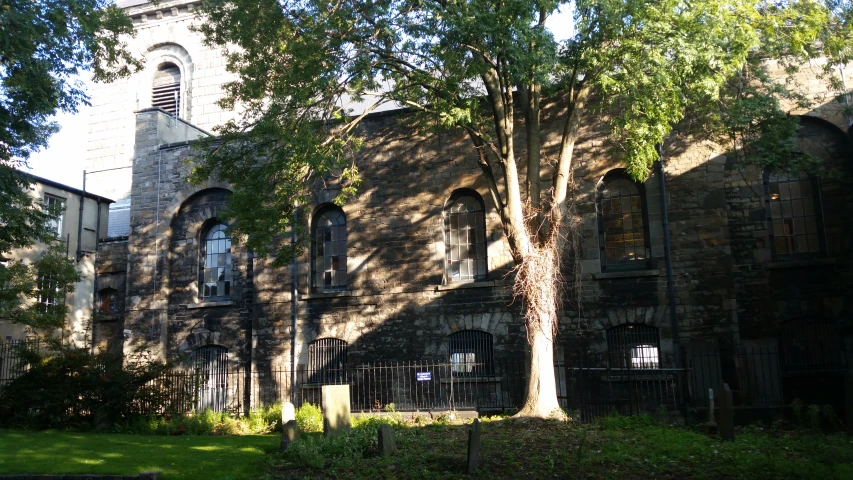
[145,12]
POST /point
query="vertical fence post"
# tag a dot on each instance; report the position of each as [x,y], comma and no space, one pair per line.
[848,400]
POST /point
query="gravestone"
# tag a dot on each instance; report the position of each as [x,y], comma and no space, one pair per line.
[473,446]
[387,445]
[727,413]
[288,412]
[289,434]
[848,401]
[336,409]
[711,407]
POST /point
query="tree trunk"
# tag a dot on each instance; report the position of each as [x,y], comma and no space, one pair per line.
[541,401]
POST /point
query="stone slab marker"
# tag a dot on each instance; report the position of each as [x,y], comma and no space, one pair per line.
[473,446]
[336,409]
[711,407]
[387,445]
[727,413]
[848,401]
[289,434]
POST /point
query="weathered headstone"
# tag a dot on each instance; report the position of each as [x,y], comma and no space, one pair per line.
[727,413]
[289,434]
[711,407]
[336,409]
[387,445]
[848,401]
[473,446]
[288,412]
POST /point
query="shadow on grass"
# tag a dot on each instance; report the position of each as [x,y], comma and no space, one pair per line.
[638,448]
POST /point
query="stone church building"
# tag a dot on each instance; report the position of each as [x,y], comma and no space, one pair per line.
[415,267]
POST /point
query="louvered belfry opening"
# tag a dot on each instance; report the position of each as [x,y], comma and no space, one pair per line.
[166,89]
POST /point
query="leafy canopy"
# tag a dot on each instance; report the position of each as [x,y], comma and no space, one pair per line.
[648,66]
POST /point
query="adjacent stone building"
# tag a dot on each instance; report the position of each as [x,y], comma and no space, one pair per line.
[416,266]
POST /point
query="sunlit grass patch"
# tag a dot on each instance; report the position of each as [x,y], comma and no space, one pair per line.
[186,457]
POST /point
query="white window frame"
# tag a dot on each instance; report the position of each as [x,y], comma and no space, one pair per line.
[58,223]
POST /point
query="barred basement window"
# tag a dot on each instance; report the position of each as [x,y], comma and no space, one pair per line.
[633,346]
[210,364]
[327,361]
[215,271]
[329,250]
[622,226]
[471,353]
[166,89]
[811,344]
[465,237]
[793,211]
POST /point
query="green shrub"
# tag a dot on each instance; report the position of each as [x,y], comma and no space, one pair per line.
[64,387]
[309,417]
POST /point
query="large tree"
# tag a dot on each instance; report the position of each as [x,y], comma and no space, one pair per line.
[44,46]
[485,67]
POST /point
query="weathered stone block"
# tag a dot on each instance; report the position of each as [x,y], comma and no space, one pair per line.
[387,445]
[727,413]
[289,434]
[336,409]
[473,446]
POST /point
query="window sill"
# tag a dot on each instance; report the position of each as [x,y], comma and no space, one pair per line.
[808,262]
[627,274]
[470,380]
[221,303]
[462,285]
[342,293]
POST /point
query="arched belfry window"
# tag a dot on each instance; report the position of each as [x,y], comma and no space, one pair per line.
[794,214]
[465,237]
[166,89]
[329,250]
[622,226]
[471,353]
[327,361]
[215,263]
[633,345]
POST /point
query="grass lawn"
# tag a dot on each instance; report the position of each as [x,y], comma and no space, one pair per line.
[616,448]
[186,457]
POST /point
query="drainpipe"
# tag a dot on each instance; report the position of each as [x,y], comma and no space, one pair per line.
[294,312]
[95,278]
[676,340]
[80,219]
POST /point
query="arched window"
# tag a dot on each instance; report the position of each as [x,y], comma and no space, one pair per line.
[210,365]
[215,271]
[633,345]
[793,212]
[166,89]
[108,301]
[329,250]
[327,361]
[465,237]
[622,225]
[471,353]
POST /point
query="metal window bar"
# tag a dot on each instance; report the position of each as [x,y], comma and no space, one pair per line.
[634,346]
[166,89]
[327,362]
[792,203]
[210,365]
[471,353]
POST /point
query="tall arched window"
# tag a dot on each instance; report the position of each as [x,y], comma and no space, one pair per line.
[622,226]
[471,353]
[329,250]
[166,89]
[215,271]
[327,361]
[465,237]
[793,211]
[633,345]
